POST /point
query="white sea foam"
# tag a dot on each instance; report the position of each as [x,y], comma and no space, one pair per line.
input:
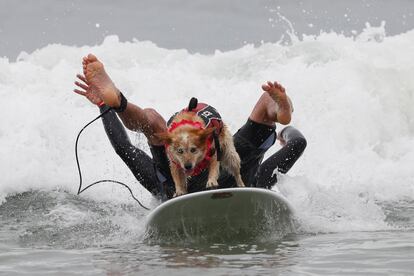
[353,101]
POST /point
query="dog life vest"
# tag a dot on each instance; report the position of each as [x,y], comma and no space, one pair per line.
[211,118]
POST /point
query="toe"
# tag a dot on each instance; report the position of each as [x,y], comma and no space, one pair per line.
[265,87]
[92,58]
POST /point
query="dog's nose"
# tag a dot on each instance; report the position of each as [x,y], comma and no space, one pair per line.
[188,166]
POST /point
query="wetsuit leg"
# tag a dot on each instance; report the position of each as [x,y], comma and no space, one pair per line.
[140,164]
[251,141]
[283,159]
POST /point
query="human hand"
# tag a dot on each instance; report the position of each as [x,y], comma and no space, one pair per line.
[87,91]
[280,138]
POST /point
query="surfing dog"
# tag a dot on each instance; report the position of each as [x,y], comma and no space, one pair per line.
[197,139]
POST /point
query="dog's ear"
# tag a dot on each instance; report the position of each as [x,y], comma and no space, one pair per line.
[203,134]
[165,137]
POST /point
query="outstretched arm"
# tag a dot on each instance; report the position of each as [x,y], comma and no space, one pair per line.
[145,120]
[140,164]
[274,106]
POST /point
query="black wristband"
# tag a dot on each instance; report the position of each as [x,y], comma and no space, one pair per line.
[123,104]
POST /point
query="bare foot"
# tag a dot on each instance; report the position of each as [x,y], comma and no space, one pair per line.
[284,106]
[275,90]
[98,79]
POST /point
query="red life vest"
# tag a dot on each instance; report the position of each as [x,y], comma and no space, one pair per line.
[211,118]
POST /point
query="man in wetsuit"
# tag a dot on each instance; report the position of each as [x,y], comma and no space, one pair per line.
[252,140]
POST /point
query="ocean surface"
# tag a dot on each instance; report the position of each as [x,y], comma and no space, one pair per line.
[352,191]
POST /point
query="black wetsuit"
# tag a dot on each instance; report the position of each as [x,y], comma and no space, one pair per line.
[252,141]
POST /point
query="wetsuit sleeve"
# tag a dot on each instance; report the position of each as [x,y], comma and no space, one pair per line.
[283,159]
[140,164]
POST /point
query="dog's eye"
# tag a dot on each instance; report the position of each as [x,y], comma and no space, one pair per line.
[180,151]
[193,150]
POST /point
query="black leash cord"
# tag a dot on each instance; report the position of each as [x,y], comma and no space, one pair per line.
[80,190]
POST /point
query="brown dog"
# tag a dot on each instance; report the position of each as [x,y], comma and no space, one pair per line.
[196,137]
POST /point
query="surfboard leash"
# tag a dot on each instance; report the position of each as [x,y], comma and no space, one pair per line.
[80,190]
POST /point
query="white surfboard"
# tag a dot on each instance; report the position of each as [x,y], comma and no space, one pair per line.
[234,214]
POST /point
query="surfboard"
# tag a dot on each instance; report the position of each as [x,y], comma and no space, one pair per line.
[233,214]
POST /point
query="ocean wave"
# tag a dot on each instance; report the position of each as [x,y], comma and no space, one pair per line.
[353,99]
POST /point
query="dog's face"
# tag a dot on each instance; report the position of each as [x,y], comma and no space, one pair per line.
[187,145]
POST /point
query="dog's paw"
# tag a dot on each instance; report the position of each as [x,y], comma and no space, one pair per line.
[179,193]
[239,181]
[241,184]
[212,184]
